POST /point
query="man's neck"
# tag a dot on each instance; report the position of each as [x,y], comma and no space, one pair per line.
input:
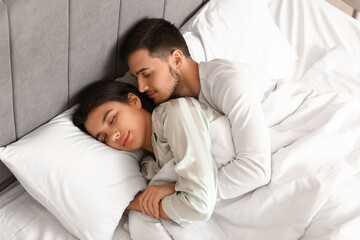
[190,84]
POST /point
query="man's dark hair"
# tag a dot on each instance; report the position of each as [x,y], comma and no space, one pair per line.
[157,35]
[104,91]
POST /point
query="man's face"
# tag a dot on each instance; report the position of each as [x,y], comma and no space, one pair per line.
[157,78]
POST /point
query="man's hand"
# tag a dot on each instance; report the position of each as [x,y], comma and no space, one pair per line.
[149,200]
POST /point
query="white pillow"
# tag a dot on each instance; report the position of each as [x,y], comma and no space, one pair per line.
[85,184]
[240,30]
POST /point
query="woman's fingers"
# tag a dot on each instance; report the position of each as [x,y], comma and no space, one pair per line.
[156,203]
[141,201]
[150,199]
[145,203]
[148,205]
[150,202]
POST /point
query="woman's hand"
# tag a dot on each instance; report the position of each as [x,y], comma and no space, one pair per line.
[149,200]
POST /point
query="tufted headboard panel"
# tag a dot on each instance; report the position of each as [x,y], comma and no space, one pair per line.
[49,50]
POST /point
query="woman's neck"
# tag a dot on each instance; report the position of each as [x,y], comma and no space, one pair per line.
[148,132]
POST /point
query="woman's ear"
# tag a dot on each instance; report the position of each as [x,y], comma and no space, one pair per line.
[134,100]
[177,58]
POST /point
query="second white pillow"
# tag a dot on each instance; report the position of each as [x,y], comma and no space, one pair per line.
[240,30]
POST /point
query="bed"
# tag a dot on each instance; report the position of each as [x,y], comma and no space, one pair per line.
[63,190]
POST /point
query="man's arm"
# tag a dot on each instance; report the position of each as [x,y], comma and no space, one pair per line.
[233,91]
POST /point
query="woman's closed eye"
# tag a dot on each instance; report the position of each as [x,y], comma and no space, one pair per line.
[112,119]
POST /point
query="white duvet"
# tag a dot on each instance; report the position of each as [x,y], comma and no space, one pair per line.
[314,191]
[314,126]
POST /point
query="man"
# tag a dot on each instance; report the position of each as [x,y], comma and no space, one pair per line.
[157,55]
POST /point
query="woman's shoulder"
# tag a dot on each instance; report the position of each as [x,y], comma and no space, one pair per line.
[183,107]
[176,105]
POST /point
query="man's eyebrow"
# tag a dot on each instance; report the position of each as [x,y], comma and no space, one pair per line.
[141,70]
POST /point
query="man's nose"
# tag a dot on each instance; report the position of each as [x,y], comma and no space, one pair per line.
[142,84]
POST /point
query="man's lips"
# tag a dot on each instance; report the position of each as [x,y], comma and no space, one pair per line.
[151,94]
[125,139]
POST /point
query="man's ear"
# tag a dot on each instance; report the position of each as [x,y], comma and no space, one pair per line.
[177,58]
[134,100]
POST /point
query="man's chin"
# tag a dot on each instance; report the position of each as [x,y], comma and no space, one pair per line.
[158,99]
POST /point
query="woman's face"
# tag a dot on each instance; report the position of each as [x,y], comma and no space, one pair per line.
[119,125]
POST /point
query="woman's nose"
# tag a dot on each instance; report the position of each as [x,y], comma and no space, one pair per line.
[116,136]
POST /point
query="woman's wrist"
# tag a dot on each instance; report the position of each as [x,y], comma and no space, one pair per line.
[134,204]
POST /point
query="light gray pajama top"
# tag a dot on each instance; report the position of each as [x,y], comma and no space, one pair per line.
[181,131]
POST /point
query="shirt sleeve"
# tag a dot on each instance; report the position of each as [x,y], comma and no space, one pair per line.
[186,129]
[232,90]
[148,168]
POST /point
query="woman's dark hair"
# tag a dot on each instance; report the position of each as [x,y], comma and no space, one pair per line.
[157,35]
[104,91]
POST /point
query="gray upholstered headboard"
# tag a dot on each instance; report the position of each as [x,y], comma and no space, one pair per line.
[49,50]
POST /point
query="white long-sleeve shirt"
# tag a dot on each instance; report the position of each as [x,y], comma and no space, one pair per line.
[234,90]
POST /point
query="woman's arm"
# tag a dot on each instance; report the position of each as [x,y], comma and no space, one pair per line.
[185,127]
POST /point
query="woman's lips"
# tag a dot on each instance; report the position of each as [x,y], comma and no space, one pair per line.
[126,139]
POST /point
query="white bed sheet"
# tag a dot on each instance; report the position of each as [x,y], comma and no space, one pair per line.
[22,217]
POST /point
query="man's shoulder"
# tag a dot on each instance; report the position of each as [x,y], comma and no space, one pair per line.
[221,62]
[217,67]
[218,62]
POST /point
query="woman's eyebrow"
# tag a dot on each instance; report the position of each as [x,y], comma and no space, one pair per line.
[97,136]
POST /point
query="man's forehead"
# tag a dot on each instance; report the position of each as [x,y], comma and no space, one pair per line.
[139,54]
[139,60]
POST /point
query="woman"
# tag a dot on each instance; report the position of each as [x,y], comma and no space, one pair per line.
[118,115]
